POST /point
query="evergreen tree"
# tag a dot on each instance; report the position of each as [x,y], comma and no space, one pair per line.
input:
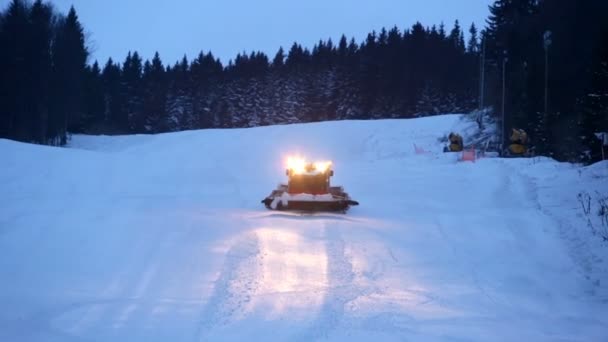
[115,116]
[13,122]
[513,41]
[342,50]
[473,44]
[206,81]
[93,99]
[592,106]
[131,82]
[456,37]
[549,49]
[279,59]
[39,60]
[69,62]
[154,96]
[179,107]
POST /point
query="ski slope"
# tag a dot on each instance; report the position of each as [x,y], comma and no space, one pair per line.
[163,238]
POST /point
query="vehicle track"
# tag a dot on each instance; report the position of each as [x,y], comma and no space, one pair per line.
[235,286]
[341,288]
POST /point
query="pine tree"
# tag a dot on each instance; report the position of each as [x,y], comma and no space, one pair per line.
[206,73]
[473,44]
[13,122]
[296,58]
[93,100]
[179,107]
[69,61]
[131,82]
[39,59]
[154,96]
[115,116]
[593,106]
[279,59]
[442,33]
[456,37]
[342,50]
[515,42]
[4,85]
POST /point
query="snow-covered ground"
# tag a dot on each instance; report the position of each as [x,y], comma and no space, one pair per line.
[164,238]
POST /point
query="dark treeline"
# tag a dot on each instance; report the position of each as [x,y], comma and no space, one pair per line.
[558,94]
[392,74]
[49,89]
[42,67]
[554,54]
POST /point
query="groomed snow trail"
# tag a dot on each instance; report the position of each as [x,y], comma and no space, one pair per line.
[164,238]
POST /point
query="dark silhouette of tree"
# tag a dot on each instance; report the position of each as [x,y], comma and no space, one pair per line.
[69,62]
[115,116]
[279,59]
[179,106]
[15,71]
[550,52]
[154,96]
[473,43]
[132,87]
[94,102]
[39,60]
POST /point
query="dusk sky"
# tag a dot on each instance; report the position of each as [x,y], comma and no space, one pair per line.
[178,27]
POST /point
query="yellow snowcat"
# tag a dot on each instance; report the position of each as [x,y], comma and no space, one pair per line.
[308,189]
[455,143]
[518,146]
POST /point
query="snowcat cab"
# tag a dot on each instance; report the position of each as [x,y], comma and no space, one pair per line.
[308,189]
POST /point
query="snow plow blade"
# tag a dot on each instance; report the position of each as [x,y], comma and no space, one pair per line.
[334,206]
[336,200]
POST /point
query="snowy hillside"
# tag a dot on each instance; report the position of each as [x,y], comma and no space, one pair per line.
[164,238]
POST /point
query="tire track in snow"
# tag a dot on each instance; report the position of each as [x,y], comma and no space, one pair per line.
[145,266]
[132,295]
[509,187]
[469,268]
[576,247]
[142,287]
[235,286]
[95,311]
[341,289]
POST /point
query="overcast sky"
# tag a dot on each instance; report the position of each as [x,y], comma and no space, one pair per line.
[226,27]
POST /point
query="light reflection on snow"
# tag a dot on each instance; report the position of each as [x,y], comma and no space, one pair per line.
[293,272]
[288,274]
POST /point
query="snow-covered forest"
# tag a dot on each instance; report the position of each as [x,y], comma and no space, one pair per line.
[543,64]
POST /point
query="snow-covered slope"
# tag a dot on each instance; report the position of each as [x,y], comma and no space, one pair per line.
[164,238]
